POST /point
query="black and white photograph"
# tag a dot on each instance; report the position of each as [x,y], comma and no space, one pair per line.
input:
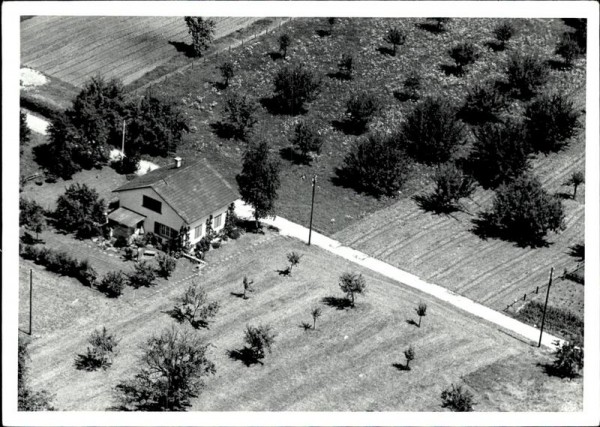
[300,213]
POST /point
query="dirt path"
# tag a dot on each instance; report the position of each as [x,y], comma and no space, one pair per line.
[291,229]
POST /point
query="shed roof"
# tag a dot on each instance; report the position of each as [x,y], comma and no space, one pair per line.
[194,190]
[126,217]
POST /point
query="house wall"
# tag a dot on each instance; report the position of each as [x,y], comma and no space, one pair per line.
[202,223]
[132,199]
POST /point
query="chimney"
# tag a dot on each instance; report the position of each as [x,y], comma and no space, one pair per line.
[177,162]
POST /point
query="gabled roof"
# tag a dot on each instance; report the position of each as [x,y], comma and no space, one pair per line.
[194,190]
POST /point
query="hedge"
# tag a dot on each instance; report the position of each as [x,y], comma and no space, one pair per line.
[61,263]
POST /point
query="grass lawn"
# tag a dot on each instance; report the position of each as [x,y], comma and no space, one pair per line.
[347,363]
[27,164]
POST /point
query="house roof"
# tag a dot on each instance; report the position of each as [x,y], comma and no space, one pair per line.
[126,217]
[194,190]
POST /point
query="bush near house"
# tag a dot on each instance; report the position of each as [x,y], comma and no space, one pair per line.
[80,210]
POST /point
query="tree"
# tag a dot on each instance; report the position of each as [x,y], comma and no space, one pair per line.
[258,181]
[247,284]
[284,42]
[166,265]
[58,156]
[231,220]
[451,185]
[202,31]
[193,305]
[227,71]
[143,275]
[458,399]
[100,354]
[352,284]
[375,165]
[568,48]
[440,24]
[259,339]
[526,73]
[29,399]
[171,372]
[345,66]
[31,215]
[580,33]
[112,284]
[500,153]
[331,21]
[522,212]
[360,109]
[431,132]
[503,33]
[156,127]
[395,37]
[24,131]
[307,139]
[409,353]
[484,103]
[463,54]
[315,313]
[240,116]
[80,210]
[551,121]
[421,311]
[411,87]
[294,87]
[568,358]
[576,179]
[293,259]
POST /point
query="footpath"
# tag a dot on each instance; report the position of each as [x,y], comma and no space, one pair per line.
[288,228]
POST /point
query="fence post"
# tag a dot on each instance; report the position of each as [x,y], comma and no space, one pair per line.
[537,289]
[524,297]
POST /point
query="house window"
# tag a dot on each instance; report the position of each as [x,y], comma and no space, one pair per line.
[152,204]
[217,221]
[164,230]
[197,231]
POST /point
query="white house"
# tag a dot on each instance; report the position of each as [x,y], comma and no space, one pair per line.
[164,200]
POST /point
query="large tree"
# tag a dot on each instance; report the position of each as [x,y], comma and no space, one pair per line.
[258,181]
[31,215]
[202,31]
[170,373]
[352,284]
[80,210]
[295,85]
[24,131]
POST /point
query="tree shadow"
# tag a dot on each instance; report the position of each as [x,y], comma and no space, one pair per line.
[238,294]
[577,251]
[346,179]
[430,203]
[286,272]
[220,85]
[223,130]
[495,45]
[412,322]
[249,226]
[339,75]
[384,50]
[431,27]
[348,127]
[400,366]
[404,96]
[289,154]
[275,55]
[563,196]
[87,362]
[185,48]
[28,239]
[452,70]
[323,33]
[338,303]
[306,326]
[278,107]
[553,371]
[484,229]
[558,65]
[244,355]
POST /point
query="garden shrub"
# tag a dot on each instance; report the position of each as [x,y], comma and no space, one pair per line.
[80,210]
[166,265]
[526,74]
[307,139]
[458,399]
[551,121]
[203,246]
[410,88]
[112,284]
[451,185]
[142,276]
[294,87]
[360,109]
[483,103]
[432,132]
[463,54]
[216,245]
[503,33]
[100,354]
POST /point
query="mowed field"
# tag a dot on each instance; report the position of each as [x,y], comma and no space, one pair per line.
[347,363]
[75,48]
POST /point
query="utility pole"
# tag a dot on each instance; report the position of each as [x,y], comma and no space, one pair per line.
[30,298]
[123,141]
[312,206]
[545,306]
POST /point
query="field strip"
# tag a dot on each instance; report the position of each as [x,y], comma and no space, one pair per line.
[291,229]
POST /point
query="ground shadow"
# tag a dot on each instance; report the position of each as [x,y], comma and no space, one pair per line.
[278,107]
[348,127]
[385,51]
[238,294]
[185,48]
[400,366]
[452,70]
[404,96]
[551,370]
[412,322]
[275,55]
[249,226]
[346,179]
[484,229]
[429,203]
[306,326]
[338,303]
[244,355]
[431,27]
[564,196]
[220,85]
[339,75]
[223,130]
[558,65]
[323,33]
[179,317]
[577,251]
[495,45]
[289,154]
[87,362]
[287,272]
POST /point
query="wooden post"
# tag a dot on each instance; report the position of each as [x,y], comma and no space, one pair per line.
[524,297]
[312,205]
[537,289]
[545,306]
[30,299]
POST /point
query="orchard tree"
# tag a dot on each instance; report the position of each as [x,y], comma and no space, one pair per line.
[166,265]
[331,21]
[440,24]
[526,74]
[143,275]
[352,284]
[258,181]
[568,49]
[375,165]
[293,259]
[99,354]
[170,372]
[421,311]
[227,71]
[247,285]
[202,31]
[239,112]
[522,212]
[345,66]
[568,358]
[451,185]
[431,132]
[80,210]
[284,42]
[315,313]
[307,139]
[395,37]
[259,340]
[360,109]
[31,215]
[576,179]
[463,54]
[294,87]
[503,33]
[112,284]
[458,399]
[551,122]
[193,305]
[410,88]
[500,153]
[409,353]
[484,103]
